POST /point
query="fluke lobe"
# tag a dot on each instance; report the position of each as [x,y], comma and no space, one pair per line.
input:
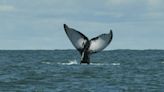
[85,46]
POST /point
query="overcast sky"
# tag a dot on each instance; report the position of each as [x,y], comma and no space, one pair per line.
[38,24]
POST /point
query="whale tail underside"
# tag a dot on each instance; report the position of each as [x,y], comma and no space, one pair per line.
[86,46]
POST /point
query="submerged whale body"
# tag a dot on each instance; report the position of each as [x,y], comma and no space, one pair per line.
[85,46]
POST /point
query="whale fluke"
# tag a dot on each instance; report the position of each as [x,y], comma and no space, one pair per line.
[100,42]
[86,46]
[78,39]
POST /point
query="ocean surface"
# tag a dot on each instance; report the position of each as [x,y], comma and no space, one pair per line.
[60,71]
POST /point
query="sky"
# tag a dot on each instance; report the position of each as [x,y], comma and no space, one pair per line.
[38,24]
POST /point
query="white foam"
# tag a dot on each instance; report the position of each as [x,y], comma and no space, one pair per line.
[115,64]
[98,64]
[71,62]
[75,62]
[46,62]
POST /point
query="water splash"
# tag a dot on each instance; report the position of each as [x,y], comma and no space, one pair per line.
[75,62]
[71,62]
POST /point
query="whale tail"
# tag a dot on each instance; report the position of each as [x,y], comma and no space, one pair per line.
[86,46]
